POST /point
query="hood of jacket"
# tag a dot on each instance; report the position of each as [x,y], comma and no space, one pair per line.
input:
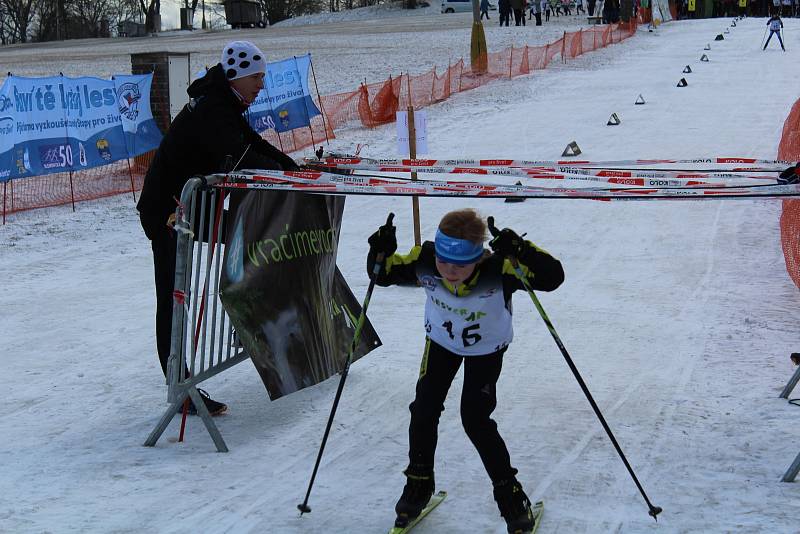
[215,85]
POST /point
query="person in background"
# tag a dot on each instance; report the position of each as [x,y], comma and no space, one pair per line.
[775,25]
[536,11]
[504,8]
[518,6]
[467,321]
[208,132]
[485,9]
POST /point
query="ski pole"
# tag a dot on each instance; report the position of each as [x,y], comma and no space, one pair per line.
[762,38]
[654,510]
[303,507]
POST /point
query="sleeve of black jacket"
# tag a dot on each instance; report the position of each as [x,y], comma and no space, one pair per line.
[263,148]
[400,269]
[234,137]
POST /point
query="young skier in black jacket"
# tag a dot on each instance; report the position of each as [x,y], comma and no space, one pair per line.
[467,319]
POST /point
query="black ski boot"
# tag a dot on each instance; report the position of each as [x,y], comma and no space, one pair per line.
[514,505]
[416,494]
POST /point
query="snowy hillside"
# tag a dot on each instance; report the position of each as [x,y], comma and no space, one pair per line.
[680,315]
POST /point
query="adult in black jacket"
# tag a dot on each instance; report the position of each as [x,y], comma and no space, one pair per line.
[208,131]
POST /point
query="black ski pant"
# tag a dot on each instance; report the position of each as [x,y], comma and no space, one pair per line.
[478,401]
[771,33]
[505,16]
[163,241]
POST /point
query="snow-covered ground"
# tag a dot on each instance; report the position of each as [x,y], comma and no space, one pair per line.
[680,316]
[344,54]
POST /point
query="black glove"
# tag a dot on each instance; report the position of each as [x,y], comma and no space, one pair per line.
[507,243]
[790,175]
[384,240]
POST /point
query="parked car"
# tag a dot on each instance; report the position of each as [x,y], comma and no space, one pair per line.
[461,6]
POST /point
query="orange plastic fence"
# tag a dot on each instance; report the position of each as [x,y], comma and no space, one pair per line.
[789,150]
[370,105]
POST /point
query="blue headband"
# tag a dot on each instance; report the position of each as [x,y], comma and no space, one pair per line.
[457,251]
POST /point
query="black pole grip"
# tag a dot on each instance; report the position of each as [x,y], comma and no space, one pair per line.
[492,228]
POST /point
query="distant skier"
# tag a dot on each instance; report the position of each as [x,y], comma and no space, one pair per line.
[536,11]
[775,26]
[467,319]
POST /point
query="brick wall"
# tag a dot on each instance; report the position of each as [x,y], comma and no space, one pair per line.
[158,64]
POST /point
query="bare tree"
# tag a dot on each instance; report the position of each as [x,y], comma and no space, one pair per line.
[17,18]
[151,10]
[48,21]
[5,25]
[122,10]
[88,14]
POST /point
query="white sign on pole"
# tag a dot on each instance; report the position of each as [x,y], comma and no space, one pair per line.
[421,127]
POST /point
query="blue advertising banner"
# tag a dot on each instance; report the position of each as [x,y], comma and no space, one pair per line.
[61,124]
[285,103]
[133,103]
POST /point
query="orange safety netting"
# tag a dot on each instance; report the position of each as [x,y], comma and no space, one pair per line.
[370,105]
[789,150]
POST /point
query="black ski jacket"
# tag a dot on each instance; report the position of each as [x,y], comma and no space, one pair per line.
[209,128]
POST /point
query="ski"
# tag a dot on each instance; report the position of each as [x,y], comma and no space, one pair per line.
[435,501]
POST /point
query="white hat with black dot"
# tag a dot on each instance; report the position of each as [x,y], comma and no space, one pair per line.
[240,59]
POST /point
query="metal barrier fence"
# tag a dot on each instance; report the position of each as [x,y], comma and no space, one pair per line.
[203,341]
[789,150]
[794,469]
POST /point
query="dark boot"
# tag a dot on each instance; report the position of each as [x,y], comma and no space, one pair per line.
[514,505]
[416,494]
[214,408]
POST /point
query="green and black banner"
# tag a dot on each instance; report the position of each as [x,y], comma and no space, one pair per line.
[287,300]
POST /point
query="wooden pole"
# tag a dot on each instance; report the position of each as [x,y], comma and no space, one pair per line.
[412,153]
[563,47]
[433,85]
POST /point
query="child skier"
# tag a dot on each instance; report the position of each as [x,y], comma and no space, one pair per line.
[467,318]
[775,25]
